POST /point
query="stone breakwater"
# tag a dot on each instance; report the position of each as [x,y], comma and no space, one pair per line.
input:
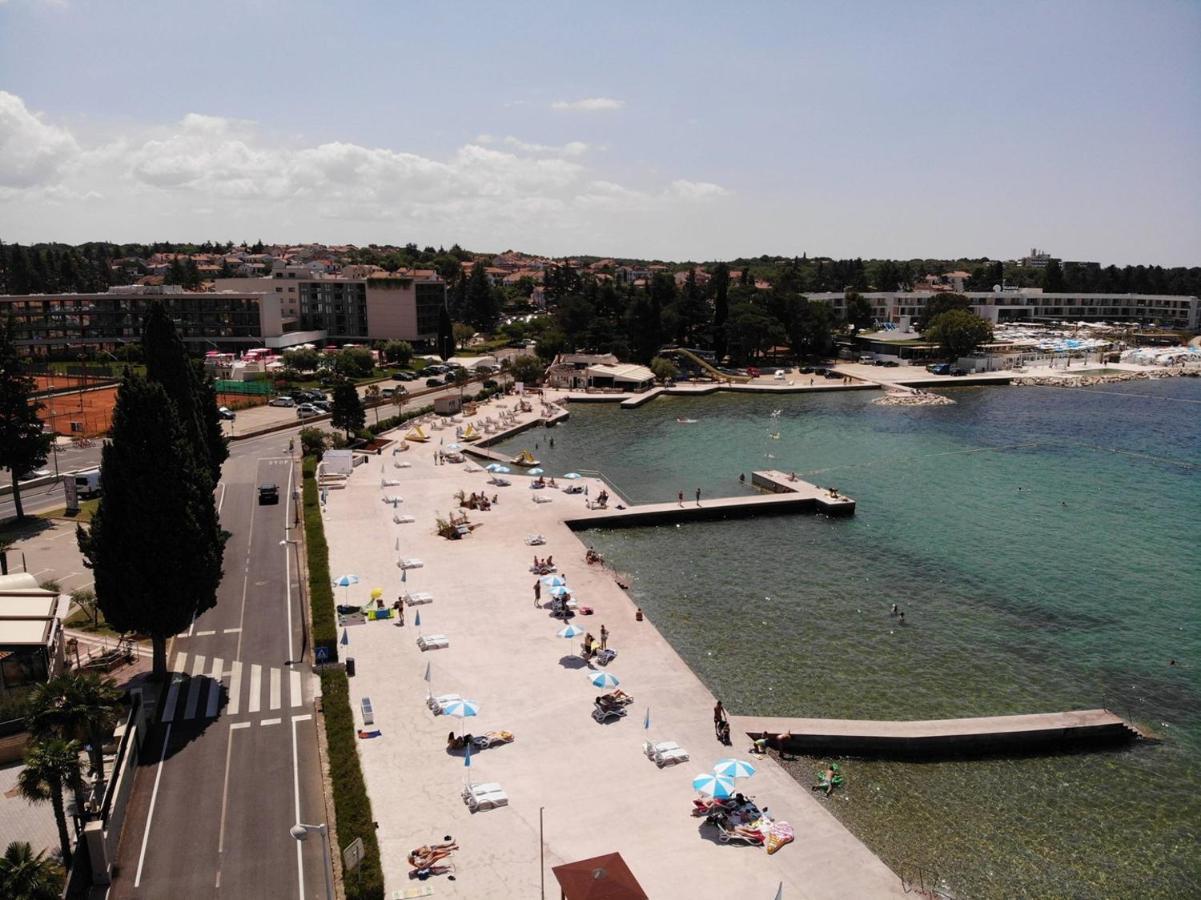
[913,398]
[1070,380]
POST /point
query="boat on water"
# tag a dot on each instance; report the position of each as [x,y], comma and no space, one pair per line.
[681,421]
[524,458]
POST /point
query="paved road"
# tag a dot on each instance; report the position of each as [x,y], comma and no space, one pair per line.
[232,763]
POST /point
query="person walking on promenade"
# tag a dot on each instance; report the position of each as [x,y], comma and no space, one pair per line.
[681,498]
[538,594]
[604,635]
[719,718]
[698,496]
[400,612]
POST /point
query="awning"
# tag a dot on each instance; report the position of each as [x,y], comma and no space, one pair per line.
[599,878]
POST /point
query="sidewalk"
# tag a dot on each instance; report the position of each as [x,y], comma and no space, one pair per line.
[595,789]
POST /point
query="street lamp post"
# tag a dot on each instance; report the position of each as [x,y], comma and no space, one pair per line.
[300,831]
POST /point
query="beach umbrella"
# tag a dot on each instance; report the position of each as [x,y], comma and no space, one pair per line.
[560,590]
[536,471]
[417,618]
[376,593]
[502,470]
[571,631]
[553,581]
[347,580]
[345,638]
[495,467]
[573,475]
[603,679]
[646,723]
[460,709]
[716,786]
[734,768]
[429,690]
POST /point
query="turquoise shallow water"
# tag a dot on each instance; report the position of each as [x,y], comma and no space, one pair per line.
[1043,543]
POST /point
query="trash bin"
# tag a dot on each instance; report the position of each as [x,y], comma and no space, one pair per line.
[350,667]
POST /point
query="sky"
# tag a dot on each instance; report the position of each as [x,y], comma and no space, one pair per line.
[655,129]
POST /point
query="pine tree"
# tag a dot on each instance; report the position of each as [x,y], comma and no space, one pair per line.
[348,411]
[446,336]
[720,285]
[23,442]
[195,401]
[154,543]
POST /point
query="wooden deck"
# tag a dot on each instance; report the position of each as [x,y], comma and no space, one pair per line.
[943,737]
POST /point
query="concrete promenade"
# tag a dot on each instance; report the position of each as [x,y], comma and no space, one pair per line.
[596,790]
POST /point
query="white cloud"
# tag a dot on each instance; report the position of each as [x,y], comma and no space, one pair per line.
[31,152]
[697,190]
[219,177]
[588,104]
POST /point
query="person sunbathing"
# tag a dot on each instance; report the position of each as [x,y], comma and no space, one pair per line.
[620,696]
[428,854]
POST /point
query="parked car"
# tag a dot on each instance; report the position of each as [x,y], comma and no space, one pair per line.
[324,405]
[305,410]
[268,493]
[780,374]
[282,401]
[867,358]
[387,393]
[806,370]
[939,368]
[484,370]
[491,384]
[888,363]
[957,371]
[433,382]
[404,376]
[426,372]
[830,373]
[224,412]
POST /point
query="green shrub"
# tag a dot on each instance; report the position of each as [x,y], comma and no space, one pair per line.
[352,806]
[321,591]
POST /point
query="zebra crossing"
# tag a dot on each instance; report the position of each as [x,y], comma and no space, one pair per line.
[196,685]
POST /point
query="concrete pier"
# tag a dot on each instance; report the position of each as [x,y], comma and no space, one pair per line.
[980,736]
[787,497]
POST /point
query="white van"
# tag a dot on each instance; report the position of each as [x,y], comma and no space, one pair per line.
[87,482]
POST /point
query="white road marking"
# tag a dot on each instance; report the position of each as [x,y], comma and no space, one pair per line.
[231,630]
[229,746]
[288,591]
[236,725]
[294,688]
[302,718]
[235,689]
[276,678]
[214,697]
[181,660]
[153,797]
[256,688]
[222,500]
[270,721]
[41,572]
[296,791]
[205,633]
[194,687]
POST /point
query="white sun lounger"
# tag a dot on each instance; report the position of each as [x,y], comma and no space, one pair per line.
[678,755]
[410,563]
[433,642]
[436,703]
[389,482]
[652,749]
[485,796]
[535,540]
[417,598]
[538,498]
[403,520]
[402,465]
[393,499]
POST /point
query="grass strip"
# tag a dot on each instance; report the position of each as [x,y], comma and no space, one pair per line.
[321,591]
[352,806]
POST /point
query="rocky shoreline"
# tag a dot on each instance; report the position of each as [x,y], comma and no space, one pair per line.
[913,398]
[1068,380]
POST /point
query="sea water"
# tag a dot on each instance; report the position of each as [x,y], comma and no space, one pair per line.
[1043,545]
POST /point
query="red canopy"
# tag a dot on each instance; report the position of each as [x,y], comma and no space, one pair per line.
[600,878]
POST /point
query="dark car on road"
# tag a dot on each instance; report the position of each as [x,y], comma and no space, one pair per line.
[433,382]
[268,493]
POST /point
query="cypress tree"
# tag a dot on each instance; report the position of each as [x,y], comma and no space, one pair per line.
[446,335]
[154,543]
[23,443]
[720,283]
[195,401]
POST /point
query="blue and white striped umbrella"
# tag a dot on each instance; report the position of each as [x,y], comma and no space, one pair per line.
[347,581]
[571,631]
[560,590]
[717,786]
[502,470]
[536,471]
[734,768]
[495,467]
[460,708]
[573,475]
[603,679]
[553,581]
[454,446]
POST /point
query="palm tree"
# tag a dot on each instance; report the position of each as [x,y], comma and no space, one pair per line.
[51,764]
[77,706]
[373,393]
[24,876]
